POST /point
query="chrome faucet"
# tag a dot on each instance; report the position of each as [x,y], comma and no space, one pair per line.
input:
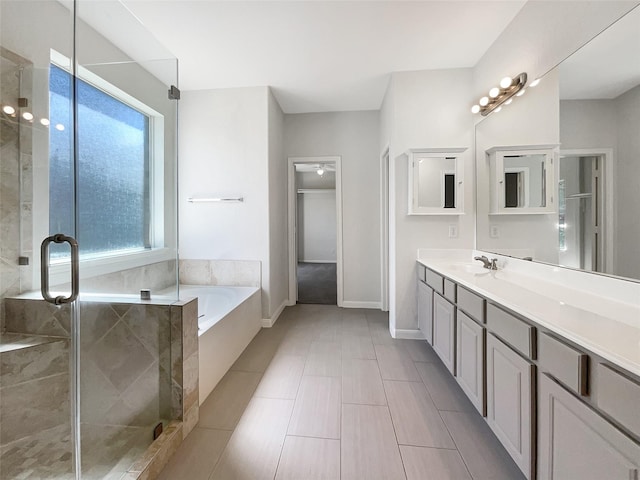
[485,261]
[488,264]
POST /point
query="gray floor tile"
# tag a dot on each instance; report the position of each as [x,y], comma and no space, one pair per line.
[309,459]
[361,382]
[420,351]
[433,464]
[396,364]
[324,359]
[258,354]
[317,409]
[482,453]
[282,378]
[296,343]
[356,325]
[368,447]
[444,391]
[380,334]
[415,417]
[358,347]
[224,406]
[197,456]
[255,446]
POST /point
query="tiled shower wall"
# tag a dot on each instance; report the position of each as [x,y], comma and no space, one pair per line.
[16,178]
[139,364]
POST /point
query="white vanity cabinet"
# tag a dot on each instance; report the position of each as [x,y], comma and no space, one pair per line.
[509,401]
[444,331]
[576,442]
[425,311]
[470,360]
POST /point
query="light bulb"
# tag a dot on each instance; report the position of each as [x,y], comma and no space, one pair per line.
[60,127]
[27,116]
[494,92]
[484,101]
[498,109]
[508,102]
[45,122]
[535,82]
[320,171]
[506,82]
[520,93]
[8,109]
[475,109]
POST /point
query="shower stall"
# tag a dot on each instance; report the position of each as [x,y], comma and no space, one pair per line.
[88,127]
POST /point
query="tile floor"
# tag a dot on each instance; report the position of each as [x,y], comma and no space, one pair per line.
[328,394]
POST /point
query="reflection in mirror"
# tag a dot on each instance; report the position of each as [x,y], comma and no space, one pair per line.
[524,184]
[596,226]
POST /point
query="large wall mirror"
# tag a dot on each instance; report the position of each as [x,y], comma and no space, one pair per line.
[589,105]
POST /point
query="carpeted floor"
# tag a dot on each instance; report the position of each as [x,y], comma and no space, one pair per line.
[317,283]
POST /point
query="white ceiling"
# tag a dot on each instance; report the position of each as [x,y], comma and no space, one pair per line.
[317,55]
[607,66]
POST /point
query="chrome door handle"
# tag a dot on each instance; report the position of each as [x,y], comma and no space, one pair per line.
[44,269]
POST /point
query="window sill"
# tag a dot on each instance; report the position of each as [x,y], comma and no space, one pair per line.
[89,268]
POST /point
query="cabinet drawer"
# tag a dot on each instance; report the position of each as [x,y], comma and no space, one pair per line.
[619,396]
[422,272]
[450,290]
[515,332]
[565,363]
[471,303]
[435,281]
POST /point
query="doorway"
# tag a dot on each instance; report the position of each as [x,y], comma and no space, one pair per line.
[384,228]
[315,230]
[582,213]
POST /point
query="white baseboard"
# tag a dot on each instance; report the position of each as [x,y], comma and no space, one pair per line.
[407,334]
[269,322]
[316,261]
[371,305]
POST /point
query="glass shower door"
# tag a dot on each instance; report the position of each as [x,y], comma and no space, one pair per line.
[88,150]
[36,346]
[126,228]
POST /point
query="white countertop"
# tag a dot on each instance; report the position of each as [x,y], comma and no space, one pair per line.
[604,325]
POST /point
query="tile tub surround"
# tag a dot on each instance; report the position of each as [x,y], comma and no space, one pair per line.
[239,273]
[598,313]
[272,417]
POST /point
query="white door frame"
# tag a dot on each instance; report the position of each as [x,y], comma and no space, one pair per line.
[293,206]
[384,229]
[608,197]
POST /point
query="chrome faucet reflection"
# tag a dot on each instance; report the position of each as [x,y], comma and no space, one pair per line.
[488,264]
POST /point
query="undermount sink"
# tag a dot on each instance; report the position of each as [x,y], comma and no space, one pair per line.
[473,268]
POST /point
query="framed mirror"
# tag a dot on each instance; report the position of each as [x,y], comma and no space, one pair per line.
[589,105]
[435,182]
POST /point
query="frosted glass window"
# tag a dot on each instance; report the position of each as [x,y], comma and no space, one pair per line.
[113,168]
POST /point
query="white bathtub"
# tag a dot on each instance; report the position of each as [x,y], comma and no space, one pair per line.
[229,318]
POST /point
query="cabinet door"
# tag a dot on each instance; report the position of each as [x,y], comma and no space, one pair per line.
[444,331]
[470,360]
[509,399]
[576,442]
[425,311]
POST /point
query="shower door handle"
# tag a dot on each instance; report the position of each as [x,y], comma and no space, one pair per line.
[44,269]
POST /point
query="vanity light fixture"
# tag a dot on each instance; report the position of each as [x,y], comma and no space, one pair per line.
[501,95]
[9,110]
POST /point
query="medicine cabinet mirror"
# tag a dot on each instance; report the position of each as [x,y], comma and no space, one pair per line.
[520,179]
[436,181]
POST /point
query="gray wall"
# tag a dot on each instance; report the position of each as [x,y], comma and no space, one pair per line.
[353,136]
